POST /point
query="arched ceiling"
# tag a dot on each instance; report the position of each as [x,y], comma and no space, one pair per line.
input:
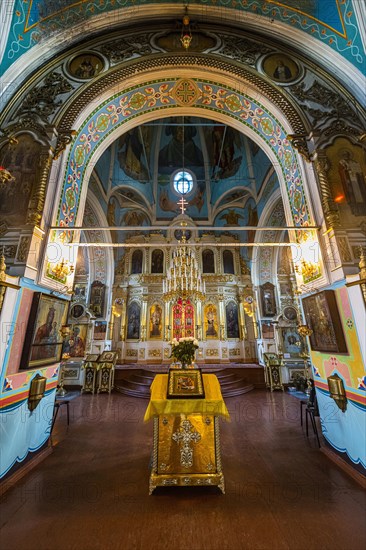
[232,177]
[234,182]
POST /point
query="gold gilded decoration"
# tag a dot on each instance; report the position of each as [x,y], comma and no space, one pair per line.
[2,267]
[154,352]
[36,204]
[171,42]
[330,208]
[185,436]
[185,445]
[183,441]
[160,405]
[212,352]
[219,278]
[186,92]
[23,248]
[234,352]
[131,353]
[149,279]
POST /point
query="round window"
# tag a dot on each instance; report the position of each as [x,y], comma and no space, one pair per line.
[183,182]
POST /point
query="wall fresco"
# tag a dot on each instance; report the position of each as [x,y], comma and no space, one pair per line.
[344,431]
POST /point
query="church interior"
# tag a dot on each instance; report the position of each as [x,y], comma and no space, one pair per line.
[183,236]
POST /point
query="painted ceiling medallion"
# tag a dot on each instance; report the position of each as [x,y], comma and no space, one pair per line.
[186,92]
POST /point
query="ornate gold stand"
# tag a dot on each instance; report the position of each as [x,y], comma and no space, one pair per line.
[186,452]
[186,446]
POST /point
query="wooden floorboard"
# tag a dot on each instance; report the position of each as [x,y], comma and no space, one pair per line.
[92,491]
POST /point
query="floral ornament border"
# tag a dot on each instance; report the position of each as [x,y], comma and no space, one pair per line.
[159,95]
[25,33]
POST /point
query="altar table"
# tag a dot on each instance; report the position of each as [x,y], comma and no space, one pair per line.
[186,442]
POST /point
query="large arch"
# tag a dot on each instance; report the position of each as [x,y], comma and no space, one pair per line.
[160,97]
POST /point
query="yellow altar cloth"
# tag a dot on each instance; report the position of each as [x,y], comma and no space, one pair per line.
[212,404]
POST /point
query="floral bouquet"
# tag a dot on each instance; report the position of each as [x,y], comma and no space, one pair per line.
[184,349]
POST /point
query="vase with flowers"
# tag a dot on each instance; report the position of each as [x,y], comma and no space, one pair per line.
[183,350]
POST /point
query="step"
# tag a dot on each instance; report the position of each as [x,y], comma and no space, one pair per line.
[136,383]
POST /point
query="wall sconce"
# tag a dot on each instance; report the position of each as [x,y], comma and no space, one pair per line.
[36,391]
[337,391]
[186,35]
[63,269]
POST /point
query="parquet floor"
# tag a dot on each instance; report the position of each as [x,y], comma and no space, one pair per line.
[92,491]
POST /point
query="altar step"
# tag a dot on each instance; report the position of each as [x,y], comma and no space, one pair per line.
[137,383]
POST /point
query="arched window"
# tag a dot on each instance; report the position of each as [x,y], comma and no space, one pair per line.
[228,260]
[157,261]
[136,263]
[208,261]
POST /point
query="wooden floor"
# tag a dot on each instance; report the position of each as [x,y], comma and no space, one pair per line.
[92,491]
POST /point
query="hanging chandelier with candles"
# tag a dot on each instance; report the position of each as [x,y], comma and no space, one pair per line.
[184,278]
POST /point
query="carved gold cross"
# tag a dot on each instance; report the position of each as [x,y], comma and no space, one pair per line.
[186,435]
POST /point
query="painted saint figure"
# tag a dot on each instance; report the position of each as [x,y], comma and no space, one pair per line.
[211,330]
[282,72]
[353,182]
[155,322]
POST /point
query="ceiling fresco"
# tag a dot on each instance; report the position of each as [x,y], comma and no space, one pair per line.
[333,22]
[144,161]
[223,195]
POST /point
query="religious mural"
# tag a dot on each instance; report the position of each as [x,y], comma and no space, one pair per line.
[97,298]
[181,149]
[232,321]
[225,161]
[75,343]
[86,65]
[347,177]
[268,300]
[21,160]
[136,262]
[208,261]
[211,322]
[133,321]
[231,217]
[183,319]
[133,153]
[280,68]
[156,321]
[157,261]
[228,261]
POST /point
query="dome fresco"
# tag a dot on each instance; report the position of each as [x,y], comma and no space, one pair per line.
[226,173]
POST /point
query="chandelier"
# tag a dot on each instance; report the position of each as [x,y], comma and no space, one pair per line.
[184,278]
[186,34]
